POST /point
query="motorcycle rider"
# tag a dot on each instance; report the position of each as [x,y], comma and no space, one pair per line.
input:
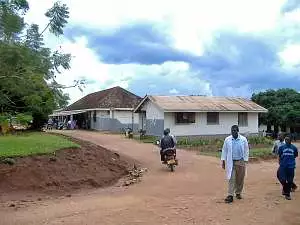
[166,142]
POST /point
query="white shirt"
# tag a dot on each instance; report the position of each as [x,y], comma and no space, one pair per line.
[227,153]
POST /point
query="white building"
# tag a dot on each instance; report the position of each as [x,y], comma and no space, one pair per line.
[106,110]
[197,115]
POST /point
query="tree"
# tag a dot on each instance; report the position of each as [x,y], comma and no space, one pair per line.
[28,69]
[283,107]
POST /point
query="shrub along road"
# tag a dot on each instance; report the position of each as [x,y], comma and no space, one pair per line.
[193,194]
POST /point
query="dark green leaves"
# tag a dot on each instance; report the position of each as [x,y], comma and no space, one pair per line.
[58,16]
[283,106]
[27,68]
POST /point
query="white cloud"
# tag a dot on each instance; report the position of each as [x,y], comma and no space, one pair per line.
[173,91]
[190,22]
[290,56]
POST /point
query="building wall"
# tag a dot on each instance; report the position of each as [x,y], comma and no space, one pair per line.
[154,119]
[115,120]
[200,127]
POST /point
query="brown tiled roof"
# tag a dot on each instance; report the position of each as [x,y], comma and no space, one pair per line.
[115,97]
[204,104]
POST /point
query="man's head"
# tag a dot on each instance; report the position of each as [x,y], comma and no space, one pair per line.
[166,131]
[280,136]
[288,140]
[235,131]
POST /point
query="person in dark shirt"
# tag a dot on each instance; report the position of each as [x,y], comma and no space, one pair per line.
[166,142]
[287,164]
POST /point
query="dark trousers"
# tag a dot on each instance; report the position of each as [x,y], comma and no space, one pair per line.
[286,178]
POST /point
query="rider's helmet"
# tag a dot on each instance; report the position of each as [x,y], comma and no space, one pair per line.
[166,131]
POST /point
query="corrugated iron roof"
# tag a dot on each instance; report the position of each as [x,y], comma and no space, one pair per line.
[205,104]
[115,97]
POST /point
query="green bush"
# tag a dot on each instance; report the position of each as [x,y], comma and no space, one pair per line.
[255,140]
[23,119]
[219,142]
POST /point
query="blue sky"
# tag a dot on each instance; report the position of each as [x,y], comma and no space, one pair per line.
[224,48]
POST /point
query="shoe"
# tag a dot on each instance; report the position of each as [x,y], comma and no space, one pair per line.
[288,197]
[294,188]
[229,199]
[239,196]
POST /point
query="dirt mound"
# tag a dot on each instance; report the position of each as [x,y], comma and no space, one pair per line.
[65,171]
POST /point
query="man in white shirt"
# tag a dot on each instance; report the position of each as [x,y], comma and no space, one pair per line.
[278,143]
[235,154]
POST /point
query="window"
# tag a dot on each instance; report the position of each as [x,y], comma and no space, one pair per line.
[212,118]
[184,117]
[243,119]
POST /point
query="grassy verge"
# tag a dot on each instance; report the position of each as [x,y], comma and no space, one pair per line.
[32,144]
[146,139]
[200,142]
[261,153]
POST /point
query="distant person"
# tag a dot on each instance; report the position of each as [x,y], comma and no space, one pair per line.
[278,143]
[294,136]
[50,123]
[235,154]
[69,124]
[287,163]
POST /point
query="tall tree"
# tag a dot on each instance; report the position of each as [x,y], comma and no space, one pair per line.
[283,107]
[27,68]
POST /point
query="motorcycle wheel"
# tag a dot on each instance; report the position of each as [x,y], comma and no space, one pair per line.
[172,167]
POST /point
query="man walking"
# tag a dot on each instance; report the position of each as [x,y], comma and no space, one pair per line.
[235,154]
[277,144]
[287,163]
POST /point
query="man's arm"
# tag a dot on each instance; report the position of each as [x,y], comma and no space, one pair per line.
[275,146]
[160,142]
[279,154]
[224,154]
[246,150]
[295,152]
[174,139]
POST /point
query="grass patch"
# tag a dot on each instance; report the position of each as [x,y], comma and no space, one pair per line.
[263,153]
[200,142]
[32,144]
[146,139]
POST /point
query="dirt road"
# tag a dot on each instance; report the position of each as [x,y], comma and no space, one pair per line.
[192,195]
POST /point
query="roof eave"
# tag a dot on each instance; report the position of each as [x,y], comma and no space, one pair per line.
[225,111]
[140,104]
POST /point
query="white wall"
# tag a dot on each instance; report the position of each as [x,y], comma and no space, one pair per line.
[125,117]
[262,127]
[102,114]
[200,127]
[152,111]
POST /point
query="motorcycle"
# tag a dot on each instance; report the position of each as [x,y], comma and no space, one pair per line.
[170,158]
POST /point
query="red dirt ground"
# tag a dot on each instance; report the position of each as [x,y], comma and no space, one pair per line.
[64,172]
[193,194]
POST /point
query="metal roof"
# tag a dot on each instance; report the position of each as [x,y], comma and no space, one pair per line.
[203,104]
[115,97]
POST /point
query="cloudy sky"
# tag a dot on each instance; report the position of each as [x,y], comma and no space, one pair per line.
[183,47]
